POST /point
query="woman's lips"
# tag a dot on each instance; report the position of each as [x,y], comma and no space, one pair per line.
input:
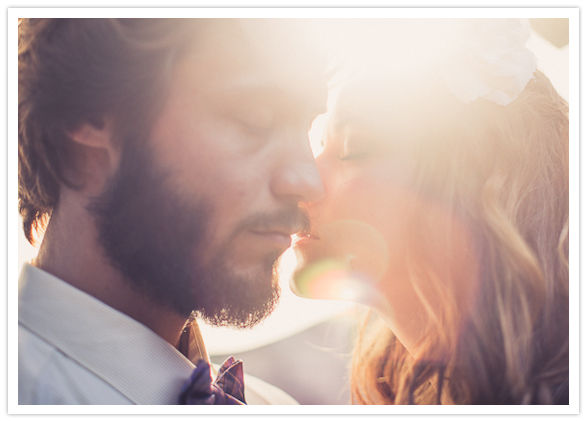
[304,239]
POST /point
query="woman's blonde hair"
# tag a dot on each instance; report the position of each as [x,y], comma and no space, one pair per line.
[504,170]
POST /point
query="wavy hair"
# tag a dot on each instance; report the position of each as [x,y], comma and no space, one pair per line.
[75,71]
[504,170]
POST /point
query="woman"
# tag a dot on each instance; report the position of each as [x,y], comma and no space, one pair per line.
[446,212]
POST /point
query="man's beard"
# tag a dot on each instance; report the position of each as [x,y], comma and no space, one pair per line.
[154,237]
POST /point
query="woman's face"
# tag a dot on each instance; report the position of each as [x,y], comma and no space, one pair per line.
[365,227]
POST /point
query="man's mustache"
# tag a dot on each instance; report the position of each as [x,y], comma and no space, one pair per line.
[292,219]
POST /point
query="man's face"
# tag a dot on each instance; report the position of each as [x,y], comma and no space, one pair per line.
[227,164]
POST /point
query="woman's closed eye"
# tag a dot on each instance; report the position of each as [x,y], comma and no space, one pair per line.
[354,148]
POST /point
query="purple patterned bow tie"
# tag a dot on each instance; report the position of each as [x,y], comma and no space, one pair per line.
[227,389]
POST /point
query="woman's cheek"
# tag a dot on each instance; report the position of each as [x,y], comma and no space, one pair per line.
[373,197]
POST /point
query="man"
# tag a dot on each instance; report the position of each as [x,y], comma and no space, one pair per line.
[171,156]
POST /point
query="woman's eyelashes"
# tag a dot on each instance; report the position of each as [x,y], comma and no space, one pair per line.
[349,156]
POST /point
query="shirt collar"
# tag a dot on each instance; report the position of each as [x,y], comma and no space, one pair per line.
[123,352]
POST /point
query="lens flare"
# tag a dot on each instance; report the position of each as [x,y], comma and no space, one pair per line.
[332,279]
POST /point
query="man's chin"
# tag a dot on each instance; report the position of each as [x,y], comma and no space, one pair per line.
[237,298]
[238,315]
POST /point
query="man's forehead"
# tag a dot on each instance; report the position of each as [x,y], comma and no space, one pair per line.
[264,54]
[284,43]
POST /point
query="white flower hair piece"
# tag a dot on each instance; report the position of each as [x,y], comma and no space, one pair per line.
[487,58]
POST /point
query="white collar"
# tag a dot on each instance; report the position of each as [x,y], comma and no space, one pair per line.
[123,352]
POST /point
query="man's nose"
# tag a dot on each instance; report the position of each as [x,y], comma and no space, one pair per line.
[297,178]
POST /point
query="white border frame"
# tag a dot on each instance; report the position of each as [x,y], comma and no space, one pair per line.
[354,12]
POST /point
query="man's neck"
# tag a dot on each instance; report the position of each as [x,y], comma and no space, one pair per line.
[71,252]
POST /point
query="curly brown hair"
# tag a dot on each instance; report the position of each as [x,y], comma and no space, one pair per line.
[76,71]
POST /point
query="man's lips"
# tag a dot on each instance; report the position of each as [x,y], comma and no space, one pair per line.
[277,238]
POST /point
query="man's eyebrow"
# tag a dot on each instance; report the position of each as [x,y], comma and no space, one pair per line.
[277,91]
[260,91]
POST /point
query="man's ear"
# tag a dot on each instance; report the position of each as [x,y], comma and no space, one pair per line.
[95,153]
[95,134]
